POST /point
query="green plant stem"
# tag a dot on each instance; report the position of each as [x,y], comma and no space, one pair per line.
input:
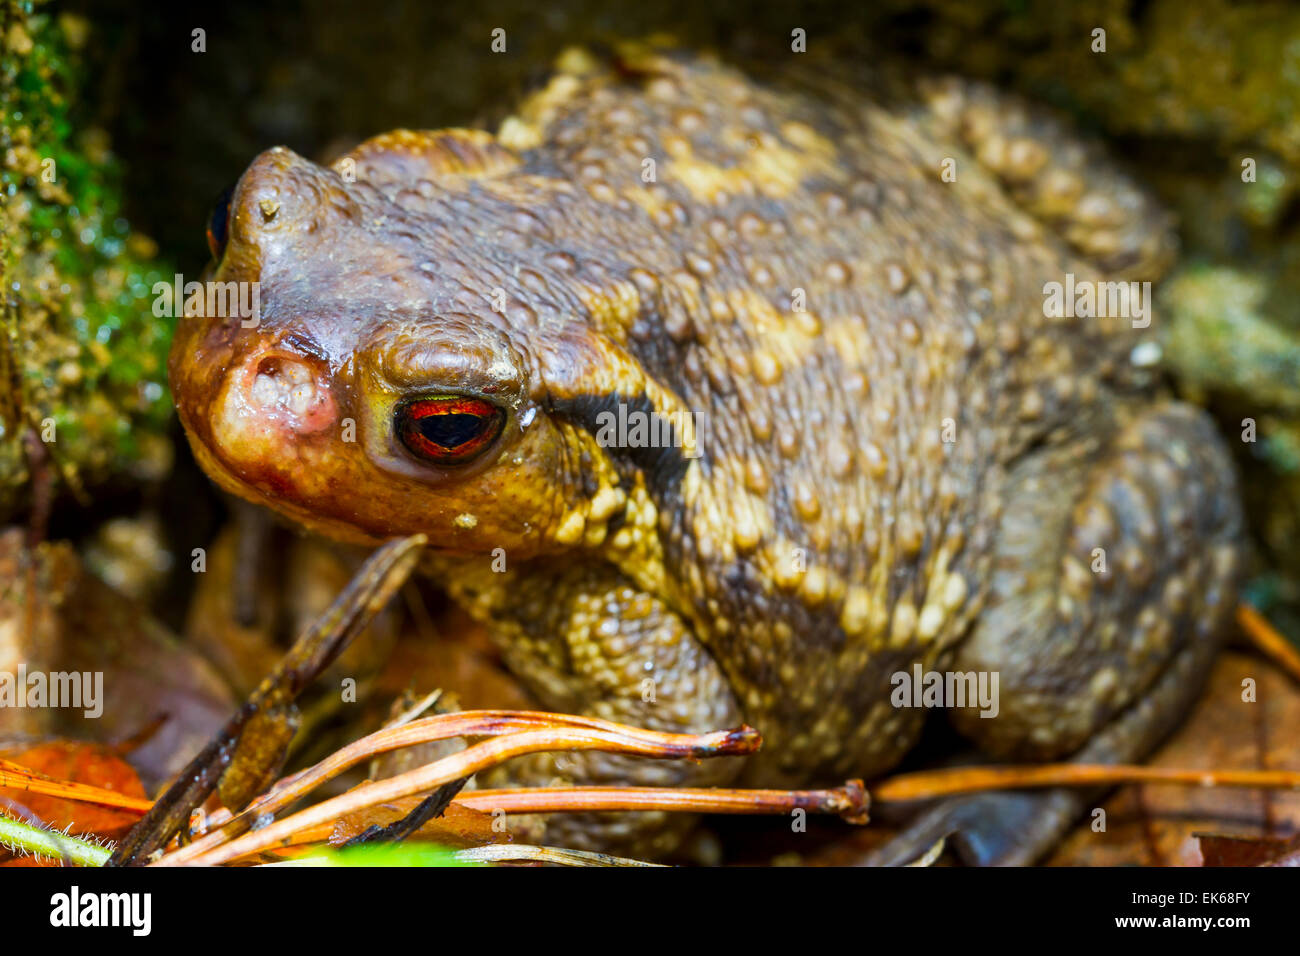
[58,846]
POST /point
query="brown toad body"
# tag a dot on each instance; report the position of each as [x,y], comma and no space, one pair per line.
[891,453]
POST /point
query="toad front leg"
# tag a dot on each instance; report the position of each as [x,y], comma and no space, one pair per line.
[584,640]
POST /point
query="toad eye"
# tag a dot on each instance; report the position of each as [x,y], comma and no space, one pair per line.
[448,429]
[219,222]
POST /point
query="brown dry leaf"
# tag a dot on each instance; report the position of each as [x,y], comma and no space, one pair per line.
[293,580]
[69,760]
[458,827]
[453,652]
[55,616]
[1157,825]
[1219,850]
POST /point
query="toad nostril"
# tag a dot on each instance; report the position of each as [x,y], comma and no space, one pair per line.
[301,398]
[279,366]
[265,390]
[283,394]
[282,381]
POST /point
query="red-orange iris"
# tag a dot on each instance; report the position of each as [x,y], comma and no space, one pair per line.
[449,429]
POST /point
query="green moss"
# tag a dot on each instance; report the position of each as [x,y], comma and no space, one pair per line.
[1219,341]
[1217,70]
[82,349]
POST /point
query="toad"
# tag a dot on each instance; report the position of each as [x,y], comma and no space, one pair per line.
[726,398]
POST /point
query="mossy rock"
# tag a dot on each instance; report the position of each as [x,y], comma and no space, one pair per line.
[83,358]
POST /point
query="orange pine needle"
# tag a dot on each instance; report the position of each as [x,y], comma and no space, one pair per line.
[1268,641]
[927,784]
[849,801]
[18,777]
[479,756]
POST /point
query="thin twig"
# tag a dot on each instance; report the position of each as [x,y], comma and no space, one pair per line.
[1265,639]
[496,853]
[431,807]
[271,707]
[471,760]
[524,853]
[465,723]
[927,784]
[849,801]
[416,709]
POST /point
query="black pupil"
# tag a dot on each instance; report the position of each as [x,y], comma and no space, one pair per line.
[220,220]
[451,431]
